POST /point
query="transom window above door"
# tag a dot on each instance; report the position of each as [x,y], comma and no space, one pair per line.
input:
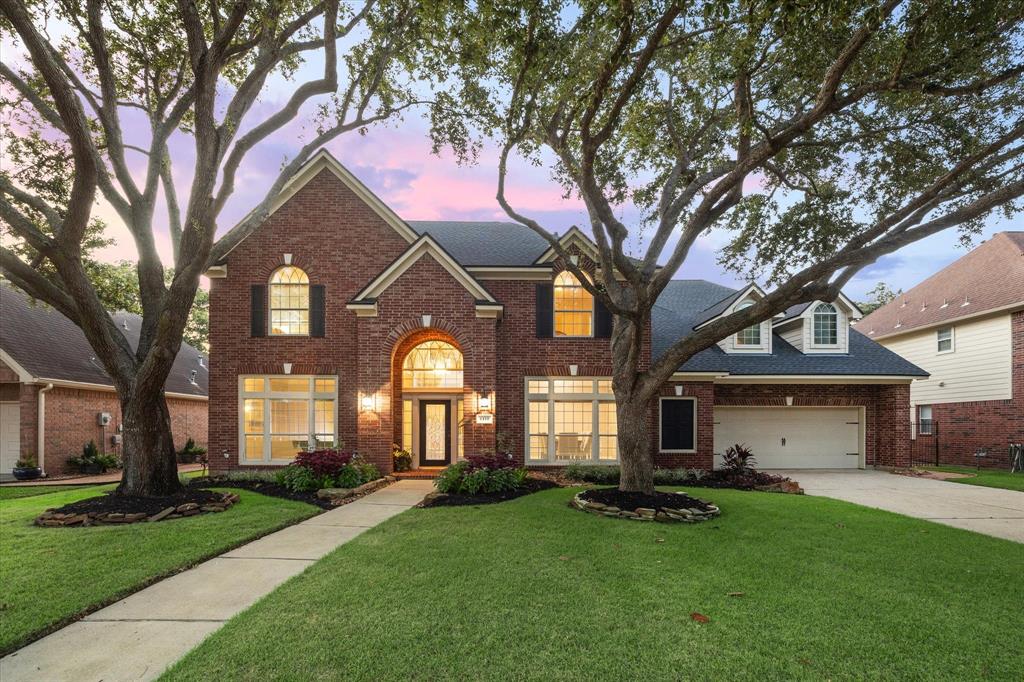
[289,302]
[573,307]
[432,366]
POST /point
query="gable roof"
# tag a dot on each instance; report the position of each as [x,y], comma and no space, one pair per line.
[989,278]
[797,310]
[49,346]
[485,243]
[684,304]
[715,311]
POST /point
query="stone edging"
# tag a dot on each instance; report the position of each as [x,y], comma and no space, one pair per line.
[339,496]
[663,514]
[51,518]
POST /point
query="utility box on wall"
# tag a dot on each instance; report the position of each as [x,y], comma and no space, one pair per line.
[103,418]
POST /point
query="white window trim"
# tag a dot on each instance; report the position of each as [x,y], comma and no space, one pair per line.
[733,344]
[312,396]
[270,304]
[555,310]
[952,340]
[921,420]
[550,397]
[840,327]
[673,397]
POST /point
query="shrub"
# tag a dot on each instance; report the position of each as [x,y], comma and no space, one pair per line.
[326,469]
[92,460]
[26,462]
[323,462]
[473,477]
[191,452]
[739,459]
[592,473]
[490,461]
[402,458]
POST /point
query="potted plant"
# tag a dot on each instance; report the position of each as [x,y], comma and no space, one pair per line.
[92,461]
[25,469]
[402,458]
[191,453]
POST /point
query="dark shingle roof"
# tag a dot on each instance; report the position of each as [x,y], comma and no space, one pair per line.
[485,243]
[684,304]
[50,346]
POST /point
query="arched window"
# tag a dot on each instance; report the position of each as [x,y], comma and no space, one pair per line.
[826,325]
[574,307]
[432,365]
[289,302]
[751,336]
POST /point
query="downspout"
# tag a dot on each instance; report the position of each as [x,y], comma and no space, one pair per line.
[41,427]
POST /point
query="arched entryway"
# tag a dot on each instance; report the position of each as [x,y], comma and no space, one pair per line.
[428,379]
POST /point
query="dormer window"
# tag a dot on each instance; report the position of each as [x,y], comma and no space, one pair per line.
[751,336]
[289,302]
[826,325]
[573,307]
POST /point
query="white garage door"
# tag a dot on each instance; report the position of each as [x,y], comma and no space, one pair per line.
[792,438]
[10,436]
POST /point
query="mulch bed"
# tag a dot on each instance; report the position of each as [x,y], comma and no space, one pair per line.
[111,508]
[667,507]
[269,488]
[530,486]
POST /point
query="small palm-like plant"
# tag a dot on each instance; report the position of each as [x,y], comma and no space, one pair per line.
[739,459]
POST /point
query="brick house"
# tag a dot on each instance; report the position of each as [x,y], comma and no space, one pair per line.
[965,326]
[338,322]
[55,396]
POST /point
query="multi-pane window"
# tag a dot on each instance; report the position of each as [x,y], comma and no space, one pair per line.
[432,365]
[570,420]
[825,321]
[944,339]
[282,416]
[289,302]
[924,413]
[751,336]
[574,307]
[407,425]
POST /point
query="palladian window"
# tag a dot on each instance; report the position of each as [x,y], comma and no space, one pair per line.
[751,336]
[432,365]
[289,302]
[574,307]
[826,325]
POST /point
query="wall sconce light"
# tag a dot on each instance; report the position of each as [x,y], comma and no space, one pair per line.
[679,389]
[789,401]
[287,368]
[366,403]
[574,369]
[485,402]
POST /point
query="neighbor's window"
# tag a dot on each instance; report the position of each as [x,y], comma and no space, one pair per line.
[282,416]
[570,420]
[574,307]
[924,417]
[944,339]
[751,336]
[826,325]
[289,302]
[432,365]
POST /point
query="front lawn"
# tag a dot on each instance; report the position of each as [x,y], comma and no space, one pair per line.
[14,492]
[49,576]
[989,478]
[794,587]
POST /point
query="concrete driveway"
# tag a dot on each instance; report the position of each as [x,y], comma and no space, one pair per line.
[992,511]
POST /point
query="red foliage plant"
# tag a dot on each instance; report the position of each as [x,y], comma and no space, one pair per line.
[491,461]
[323,462]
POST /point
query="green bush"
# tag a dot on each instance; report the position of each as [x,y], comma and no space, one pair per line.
[191,452]
[609,475]
[465,479]
[301,478]
[92,461]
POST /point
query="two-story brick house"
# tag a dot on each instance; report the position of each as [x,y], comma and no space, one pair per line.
[965,326]
[338,322]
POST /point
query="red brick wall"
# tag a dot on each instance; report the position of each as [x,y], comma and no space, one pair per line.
[342,244]
[964,428]
[7,374]
[703,458]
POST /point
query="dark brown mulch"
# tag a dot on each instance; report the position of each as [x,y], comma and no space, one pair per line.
[262,487]
[111,503]
[530,486]
[630,501]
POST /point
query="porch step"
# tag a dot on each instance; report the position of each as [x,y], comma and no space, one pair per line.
[421,473]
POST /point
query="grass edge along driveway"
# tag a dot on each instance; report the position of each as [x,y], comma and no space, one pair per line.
[50,577]
[988,478]
[793,587]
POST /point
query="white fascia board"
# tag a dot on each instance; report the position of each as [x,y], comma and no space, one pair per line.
[23,375]
[815,379]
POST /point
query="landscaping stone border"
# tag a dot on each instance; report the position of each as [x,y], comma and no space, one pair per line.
[662,514]
[339,496]
[53,519]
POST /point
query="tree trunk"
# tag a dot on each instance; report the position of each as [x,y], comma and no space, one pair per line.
[150,462]
[637,464]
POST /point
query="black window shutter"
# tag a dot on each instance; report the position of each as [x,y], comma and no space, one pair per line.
[317,302]
[603,321]
[258,310]
[545,311]
[677,418]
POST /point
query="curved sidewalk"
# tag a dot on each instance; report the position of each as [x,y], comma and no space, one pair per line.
[139,637]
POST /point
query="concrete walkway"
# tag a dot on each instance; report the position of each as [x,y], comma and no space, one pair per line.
[140,636]
[992,511]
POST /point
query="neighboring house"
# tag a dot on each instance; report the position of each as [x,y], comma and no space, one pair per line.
[338,322]
[55,396]
[965,326]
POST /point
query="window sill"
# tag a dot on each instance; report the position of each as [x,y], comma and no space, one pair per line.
[597,462]
[677,452]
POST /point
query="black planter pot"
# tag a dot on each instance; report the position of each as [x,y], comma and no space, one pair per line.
[93,469]
[26,473]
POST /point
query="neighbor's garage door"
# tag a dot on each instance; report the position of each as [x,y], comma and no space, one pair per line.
[792,438]
[10,436]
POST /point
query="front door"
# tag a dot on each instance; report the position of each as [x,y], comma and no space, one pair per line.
[435,432]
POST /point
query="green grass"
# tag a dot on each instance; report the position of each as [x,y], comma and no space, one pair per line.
[984,477]
[14,492]
[531,589]
[49,576]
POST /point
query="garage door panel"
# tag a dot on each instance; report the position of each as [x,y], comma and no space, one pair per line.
[792,438]
[10,435]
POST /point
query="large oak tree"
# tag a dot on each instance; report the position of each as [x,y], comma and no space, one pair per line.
[81,78]
[818,136]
